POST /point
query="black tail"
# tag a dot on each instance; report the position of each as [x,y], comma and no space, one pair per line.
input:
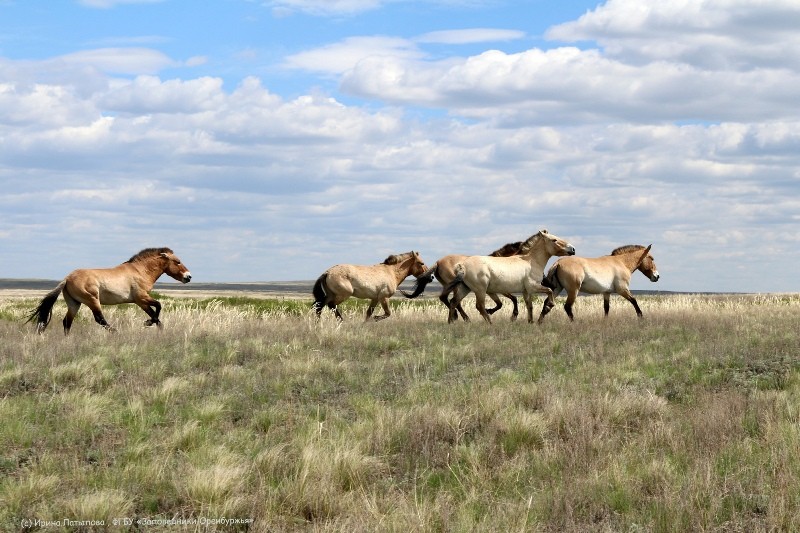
[319,293]
[552,281]
[422,282]
[549,279]
[44,311]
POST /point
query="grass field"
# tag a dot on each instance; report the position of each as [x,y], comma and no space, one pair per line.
[249,409]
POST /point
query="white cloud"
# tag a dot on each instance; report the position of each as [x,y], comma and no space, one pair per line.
[120,60]
[149,94]
[470,35]
[710,34]
[589,143]
[340,57]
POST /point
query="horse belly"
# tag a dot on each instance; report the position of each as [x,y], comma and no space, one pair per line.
[502,282]
[500,286]
[370,291]
[597,284]
[116,292]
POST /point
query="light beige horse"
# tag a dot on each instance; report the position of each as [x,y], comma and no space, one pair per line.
[599,275]
[444,270]
[376,283]
[520,273]
[129,282]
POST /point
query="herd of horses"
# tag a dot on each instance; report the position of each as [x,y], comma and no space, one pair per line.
[515,268]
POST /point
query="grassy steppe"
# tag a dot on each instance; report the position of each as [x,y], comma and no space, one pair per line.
[686,420]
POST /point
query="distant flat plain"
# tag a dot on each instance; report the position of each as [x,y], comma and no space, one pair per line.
[32,288]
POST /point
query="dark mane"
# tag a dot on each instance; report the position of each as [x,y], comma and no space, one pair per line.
[147,253]
[396,258]
[529,243]
[507,250]
[627,248]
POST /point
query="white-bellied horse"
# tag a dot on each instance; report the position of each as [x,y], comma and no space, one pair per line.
[444,270]
[519,273]
[129,282]
[599,275]
[376,283]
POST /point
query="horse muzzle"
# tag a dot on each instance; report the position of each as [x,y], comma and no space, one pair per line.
[570,250]
[186,278]
[655,277]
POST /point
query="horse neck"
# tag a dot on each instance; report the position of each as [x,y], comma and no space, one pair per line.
[151,269]
[402,270]
[631,259]
[538,254]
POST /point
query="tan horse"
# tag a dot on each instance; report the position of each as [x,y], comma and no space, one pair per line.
[376,283]
[520,273]
[599,275]
[129,282]
[444,270]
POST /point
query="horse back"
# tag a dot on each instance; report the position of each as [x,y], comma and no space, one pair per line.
[113,285]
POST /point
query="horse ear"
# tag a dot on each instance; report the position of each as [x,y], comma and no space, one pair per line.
[162,254]
[543,231]
[644,255]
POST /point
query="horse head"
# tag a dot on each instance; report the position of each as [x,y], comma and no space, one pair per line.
[410,260]
[647,265]
[418,268]
[553,244]
[175,269]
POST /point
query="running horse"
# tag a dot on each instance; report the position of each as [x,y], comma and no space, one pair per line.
[129,282]
[444,270]
[376,283]
[599,275]
[519,273]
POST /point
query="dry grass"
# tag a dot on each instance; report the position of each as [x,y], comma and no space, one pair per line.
[686,420]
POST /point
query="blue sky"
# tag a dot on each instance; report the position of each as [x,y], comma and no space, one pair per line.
[268,140]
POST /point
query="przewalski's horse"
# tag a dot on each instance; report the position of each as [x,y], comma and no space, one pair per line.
[599,275]
[376,283]
[444,270]
[129,282]
[520,273]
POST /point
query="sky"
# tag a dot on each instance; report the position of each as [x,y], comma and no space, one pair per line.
[269,140]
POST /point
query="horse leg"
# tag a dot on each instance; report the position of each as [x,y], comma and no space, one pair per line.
[515,312]
[480,305]
[73,306]
[94,305]
[549,303]
[462,291]
[625,293]
[498,304]
[444,300]
[152,307]
[386,310]
[528,297]
[455,306]
[371,309]
[606,303]
[571,296]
